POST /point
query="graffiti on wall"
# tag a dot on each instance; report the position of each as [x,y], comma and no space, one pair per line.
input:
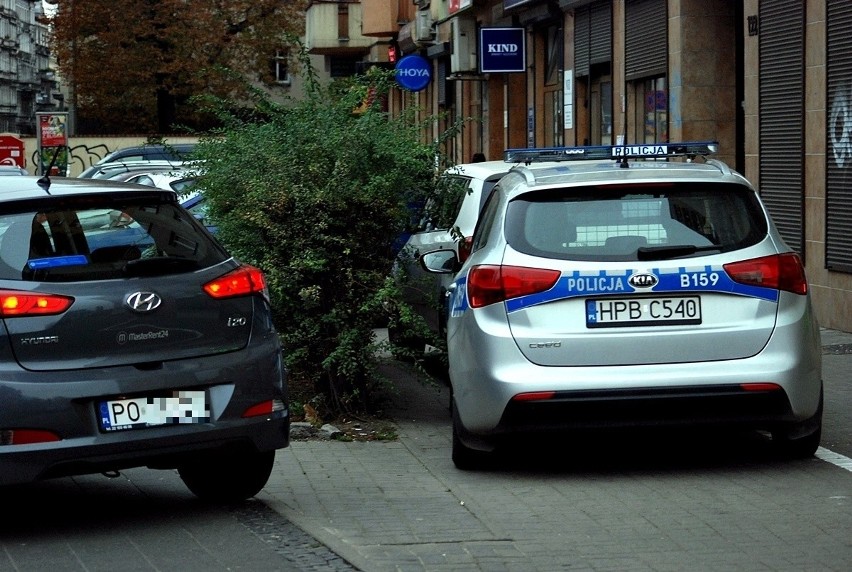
[840,126]
[86,151]
[81,156]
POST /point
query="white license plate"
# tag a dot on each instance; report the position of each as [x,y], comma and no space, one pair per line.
[182,407]
[614,312]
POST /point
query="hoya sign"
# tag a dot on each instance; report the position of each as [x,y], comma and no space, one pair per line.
[413,72]
[502,50]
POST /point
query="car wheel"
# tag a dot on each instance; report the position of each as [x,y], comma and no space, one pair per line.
[465,458]
[800,441]
[231,476]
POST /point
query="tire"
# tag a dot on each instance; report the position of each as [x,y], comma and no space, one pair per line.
[465,458]
[800,448]
[226,477]
[789,442]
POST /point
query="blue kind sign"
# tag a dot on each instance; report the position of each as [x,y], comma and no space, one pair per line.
[502,50]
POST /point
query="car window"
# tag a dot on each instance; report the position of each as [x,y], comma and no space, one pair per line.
[142,180]
[596,223]
[442,208]
[486,222]
[101,238]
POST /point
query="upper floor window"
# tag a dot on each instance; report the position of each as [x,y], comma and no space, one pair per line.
[279,68]
[342,22]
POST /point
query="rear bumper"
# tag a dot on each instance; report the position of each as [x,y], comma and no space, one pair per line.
[65,403]
[728,405]
[488,372]
[159,448]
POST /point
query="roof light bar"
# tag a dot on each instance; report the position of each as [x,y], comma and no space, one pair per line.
[614,152]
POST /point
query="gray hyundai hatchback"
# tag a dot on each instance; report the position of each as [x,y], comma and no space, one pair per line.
[130,338]
[650,288]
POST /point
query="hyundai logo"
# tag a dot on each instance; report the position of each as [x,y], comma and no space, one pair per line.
[643,280]
[143,301]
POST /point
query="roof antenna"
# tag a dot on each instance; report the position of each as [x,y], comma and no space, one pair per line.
[44,181]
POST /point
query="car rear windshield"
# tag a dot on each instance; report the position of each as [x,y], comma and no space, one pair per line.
[94,237]
[646,222]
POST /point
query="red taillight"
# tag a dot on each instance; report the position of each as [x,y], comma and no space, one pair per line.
[779,271]
[243,281]
[534,396]
[26,436]
[465,247]
[264,408]
[15,303]
[763,386]
[490,284]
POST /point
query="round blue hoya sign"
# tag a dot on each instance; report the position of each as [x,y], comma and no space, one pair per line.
[413,72]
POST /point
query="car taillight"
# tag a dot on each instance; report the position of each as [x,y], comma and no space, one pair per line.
[26,436]
[465,246]
[15,303]
[490,284]
[779,271]
[264,408]
[243,281]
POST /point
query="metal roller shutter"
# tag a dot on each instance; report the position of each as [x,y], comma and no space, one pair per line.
[600,43]
[781,115]
[646,45]
[582,41]
[838,229]
[592,36]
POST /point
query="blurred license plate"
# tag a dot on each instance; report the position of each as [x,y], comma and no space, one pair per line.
[613,312]
[181,407]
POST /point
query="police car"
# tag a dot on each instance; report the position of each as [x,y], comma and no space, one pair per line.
[649,288]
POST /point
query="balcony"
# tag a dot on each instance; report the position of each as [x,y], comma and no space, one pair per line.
[383,18]
[333,28]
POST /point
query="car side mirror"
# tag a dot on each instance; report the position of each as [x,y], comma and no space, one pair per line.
[440,262]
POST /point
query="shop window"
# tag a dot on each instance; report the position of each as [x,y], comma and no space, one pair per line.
[554,56]
[651,105]
[553,90]
[601,111]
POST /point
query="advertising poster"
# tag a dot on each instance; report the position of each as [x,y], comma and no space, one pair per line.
[53,143]
[51,129]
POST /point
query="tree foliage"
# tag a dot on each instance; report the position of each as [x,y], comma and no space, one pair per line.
[315,195]
[135,64]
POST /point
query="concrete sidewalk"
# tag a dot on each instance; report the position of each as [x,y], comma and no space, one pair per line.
[402,505]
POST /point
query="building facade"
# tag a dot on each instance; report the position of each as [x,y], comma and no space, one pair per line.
[27,81]
[771,80]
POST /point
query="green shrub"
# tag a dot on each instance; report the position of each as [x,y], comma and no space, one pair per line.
[315,195]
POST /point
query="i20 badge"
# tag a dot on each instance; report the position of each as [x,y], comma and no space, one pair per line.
[643,280]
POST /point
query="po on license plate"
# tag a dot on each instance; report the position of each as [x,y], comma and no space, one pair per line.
[182,407]
[614,312]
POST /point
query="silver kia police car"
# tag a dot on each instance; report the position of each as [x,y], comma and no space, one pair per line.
[650,288]
[130,337]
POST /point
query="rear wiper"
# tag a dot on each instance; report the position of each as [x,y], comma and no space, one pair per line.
[159,265]
[672,251]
